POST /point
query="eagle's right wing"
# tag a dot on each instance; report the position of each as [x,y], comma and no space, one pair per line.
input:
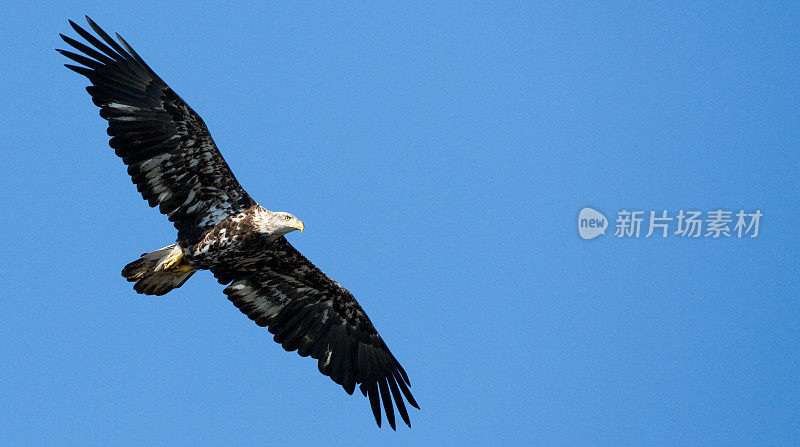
[309,312]
[168,150]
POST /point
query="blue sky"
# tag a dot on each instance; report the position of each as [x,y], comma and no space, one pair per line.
[439,156]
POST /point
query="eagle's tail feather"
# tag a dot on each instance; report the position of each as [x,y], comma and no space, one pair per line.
[158,272]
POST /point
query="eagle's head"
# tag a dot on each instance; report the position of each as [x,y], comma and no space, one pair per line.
[286,223]
[275,223]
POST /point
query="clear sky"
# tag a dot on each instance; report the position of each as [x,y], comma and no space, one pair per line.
[439,157]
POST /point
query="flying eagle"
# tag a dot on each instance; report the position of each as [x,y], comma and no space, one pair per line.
[176,166]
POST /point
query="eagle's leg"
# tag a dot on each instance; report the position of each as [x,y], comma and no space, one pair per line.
[173,260]
[174,263]
[160,271]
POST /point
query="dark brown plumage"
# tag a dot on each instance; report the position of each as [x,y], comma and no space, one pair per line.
[176,166]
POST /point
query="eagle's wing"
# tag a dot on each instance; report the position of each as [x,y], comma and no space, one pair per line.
[168,150]
[309,312]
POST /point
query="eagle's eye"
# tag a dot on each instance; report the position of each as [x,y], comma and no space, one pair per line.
[288,218]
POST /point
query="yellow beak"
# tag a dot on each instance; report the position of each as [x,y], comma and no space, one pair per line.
[299,226]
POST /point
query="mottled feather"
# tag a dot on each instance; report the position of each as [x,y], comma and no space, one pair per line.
[312,314]
[169,152]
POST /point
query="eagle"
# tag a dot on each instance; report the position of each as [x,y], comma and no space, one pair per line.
[175,165]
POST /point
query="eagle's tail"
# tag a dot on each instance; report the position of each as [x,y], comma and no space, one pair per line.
[158,272]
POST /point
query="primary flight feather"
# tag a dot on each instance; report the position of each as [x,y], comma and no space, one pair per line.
[176,166]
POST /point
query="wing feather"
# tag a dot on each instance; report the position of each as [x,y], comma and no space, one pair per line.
[308,312]
[169,152]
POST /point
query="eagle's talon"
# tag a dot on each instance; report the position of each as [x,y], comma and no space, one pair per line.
[173,261]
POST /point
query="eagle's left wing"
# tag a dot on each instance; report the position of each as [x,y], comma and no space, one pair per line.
[169,152]
[309,312]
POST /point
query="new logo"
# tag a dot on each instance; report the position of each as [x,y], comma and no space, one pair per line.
[591,223]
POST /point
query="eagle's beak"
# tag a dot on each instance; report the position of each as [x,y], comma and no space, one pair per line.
[300,226]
